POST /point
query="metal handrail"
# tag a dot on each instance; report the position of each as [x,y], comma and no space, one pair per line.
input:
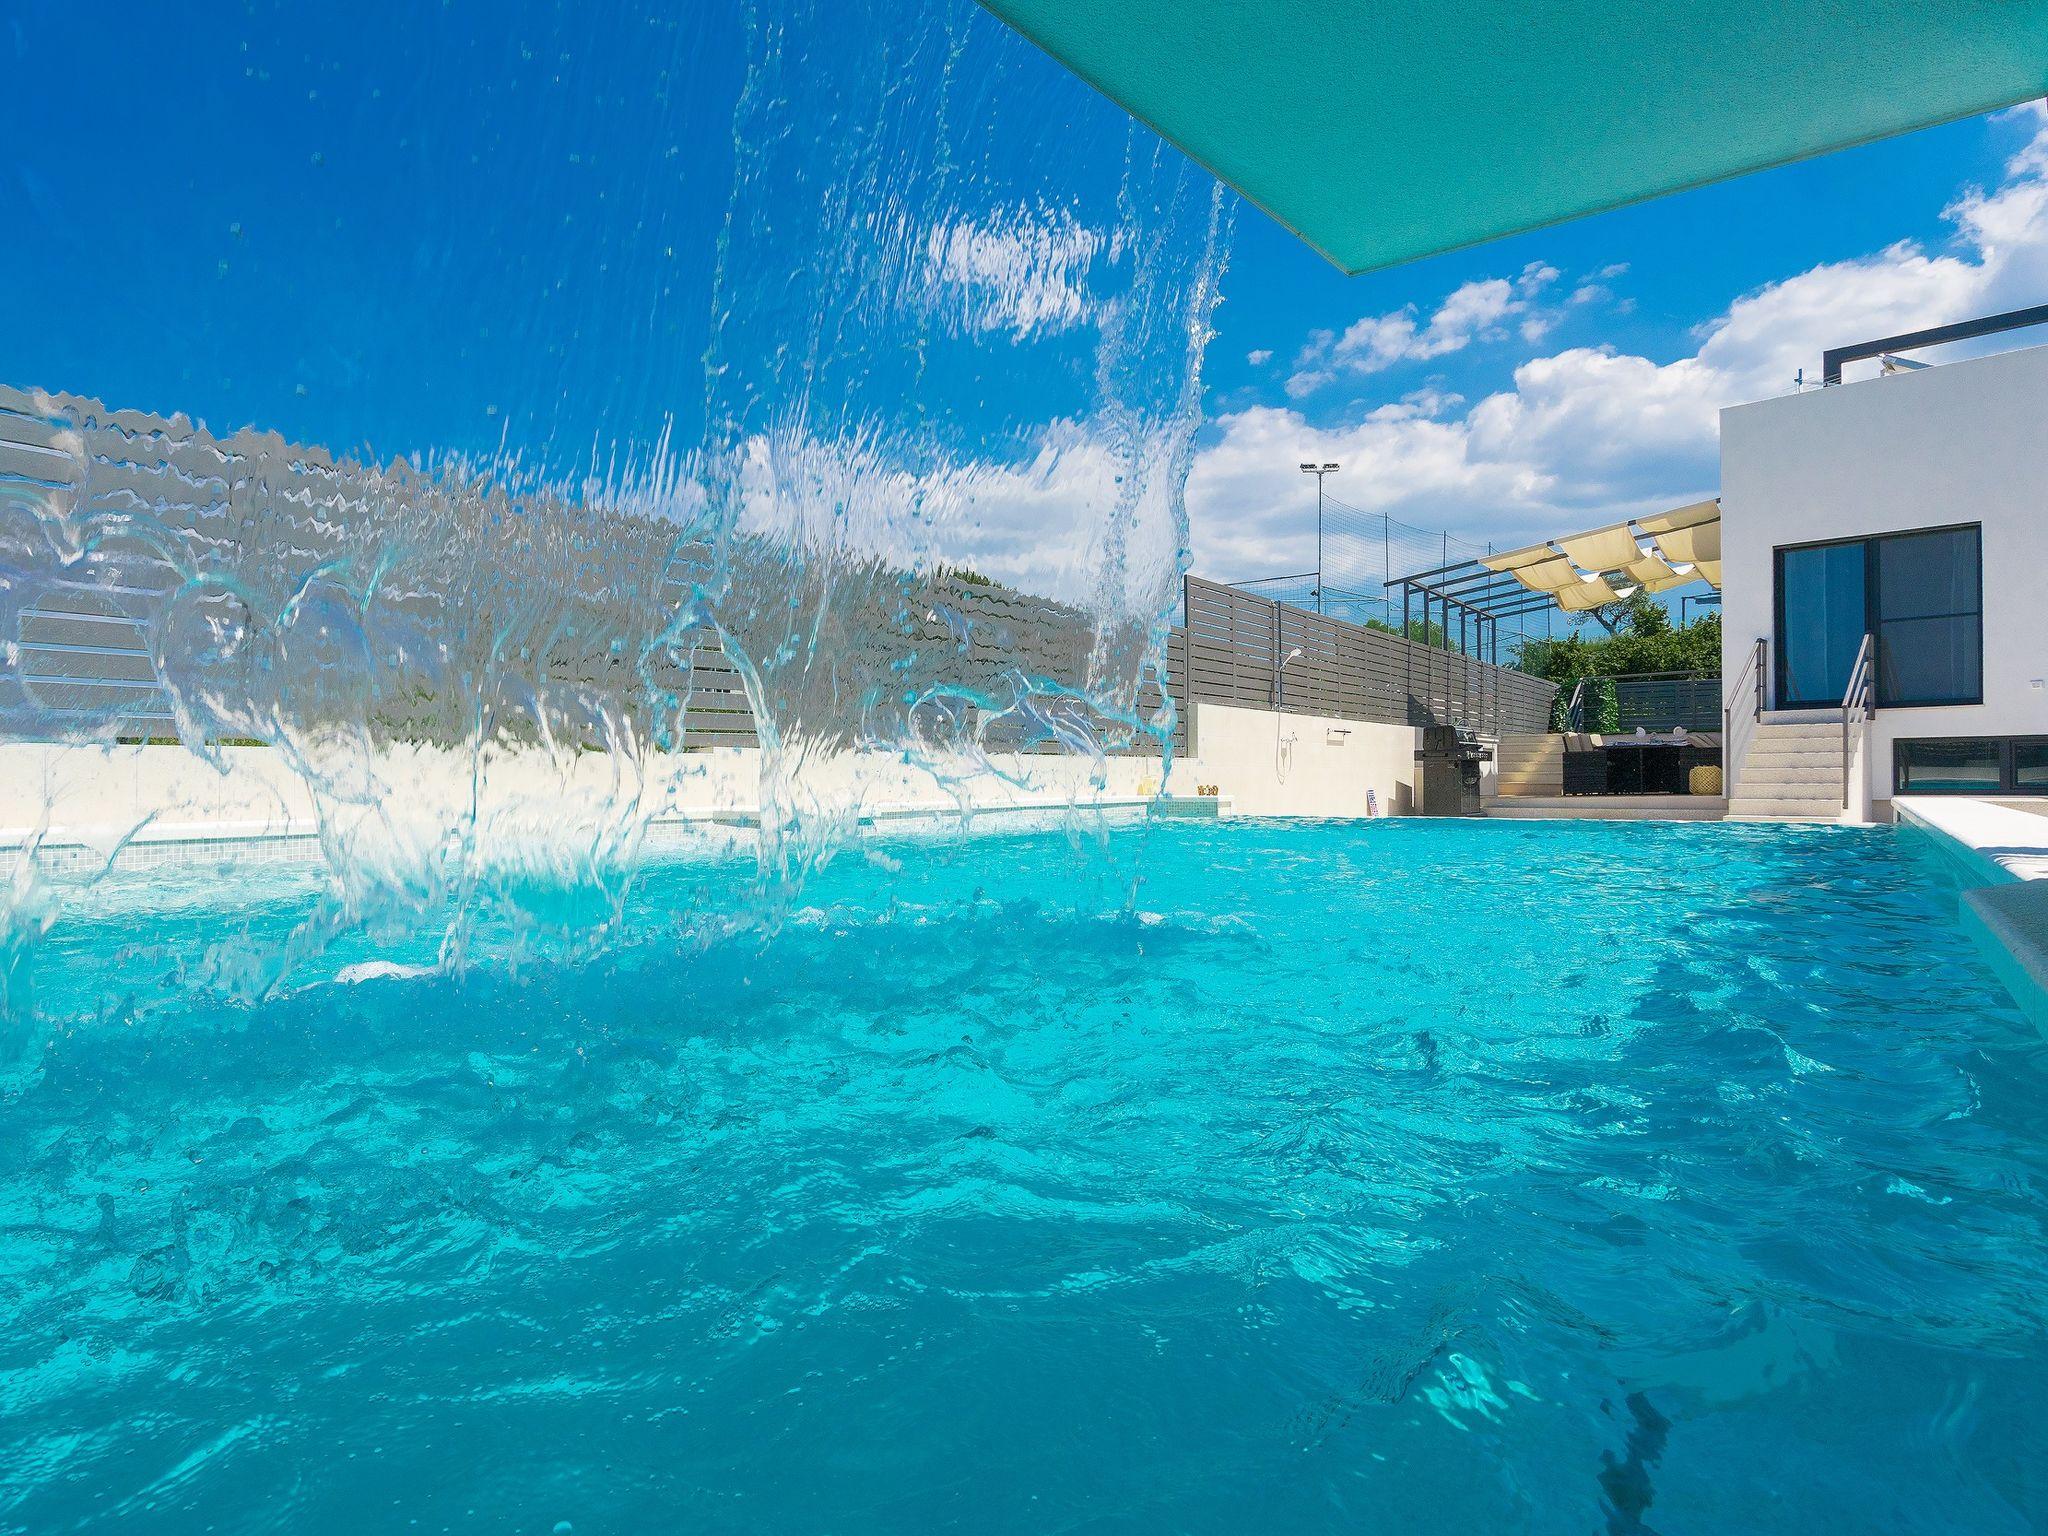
[1752,672]
[1575,708]
[1858,696]
[1681,674]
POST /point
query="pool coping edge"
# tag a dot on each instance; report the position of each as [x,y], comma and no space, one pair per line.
[2006,913]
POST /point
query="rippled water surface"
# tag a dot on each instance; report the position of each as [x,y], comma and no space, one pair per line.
[1397,1176]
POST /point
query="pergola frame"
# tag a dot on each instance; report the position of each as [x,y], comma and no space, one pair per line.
[1480,598]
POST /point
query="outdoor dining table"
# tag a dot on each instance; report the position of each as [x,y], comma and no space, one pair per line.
[1654,765]
[1638,765]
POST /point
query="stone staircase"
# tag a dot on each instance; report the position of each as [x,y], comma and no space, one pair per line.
[1792,770]
[1529,765]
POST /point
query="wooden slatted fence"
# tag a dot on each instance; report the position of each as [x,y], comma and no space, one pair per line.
[1240,650]
[561,594]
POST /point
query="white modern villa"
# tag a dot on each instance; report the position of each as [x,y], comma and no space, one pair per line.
[1876,546]
[1883,542]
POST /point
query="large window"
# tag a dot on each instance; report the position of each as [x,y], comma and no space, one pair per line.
[1976,765]
[2030,766]
[1920,595]
[1928,617]
[1968,767]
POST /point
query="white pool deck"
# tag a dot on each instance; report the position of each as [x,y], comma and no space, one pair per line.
[2002,845]
[87,807]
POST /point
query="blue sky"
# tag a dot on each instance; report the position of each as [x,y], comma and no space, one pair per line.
[1539,384]
[454,226]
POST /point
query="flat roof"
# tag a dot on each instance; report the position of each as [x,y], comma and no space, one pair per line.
[1384,132]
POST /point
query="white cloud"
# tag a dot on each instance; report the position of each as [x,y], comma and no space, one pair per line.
[1019,272]
[1474,311]
[1580,434]
[1590,430]
[1081,512]
[1306,381]
[1252,515]
[1596,288]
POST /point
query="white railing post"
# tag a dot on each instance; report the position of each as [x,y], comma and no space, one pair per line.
[1754,668]
[1856,697]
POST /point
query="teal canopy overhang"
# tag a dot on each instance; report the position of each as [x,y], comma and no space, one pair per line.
[1384,132]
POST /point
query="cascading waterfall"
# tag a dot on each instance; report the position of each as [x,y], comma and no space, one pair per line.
[955,326]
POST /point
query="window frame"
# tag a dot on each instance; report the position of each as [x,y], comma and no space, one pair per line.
[1873,618]
[1778,680]
[2012,761]
[2008,763]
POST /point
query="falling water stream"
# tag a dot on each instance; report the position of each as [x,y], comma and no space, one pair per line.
[953,311]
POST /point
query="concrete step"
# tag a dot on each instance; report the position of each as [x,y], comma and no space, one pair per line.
[1528,764]
[1607,808]
[1759,808]
[1594,814]
[1778,717]
[1777,819]
[1773,786]
[1797,758]
[1784,759]
[1792,770]
[1785,734]
[1535,813]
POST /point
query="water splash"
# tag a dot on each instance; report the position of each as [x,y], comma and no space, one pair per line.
[936,346]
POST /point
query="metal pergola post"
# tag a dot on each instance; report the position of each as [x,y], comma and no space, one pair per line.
[1464,665]
[1407,646]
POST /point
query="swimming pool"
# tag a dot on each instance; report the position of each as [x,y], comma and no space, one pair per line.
[1396,1176]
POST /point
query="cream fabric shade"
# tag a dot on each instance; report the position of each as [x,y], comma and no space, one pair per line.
[1588,595]
[1552,575]
[1655,575]
[1688,549]
[1604,549]
[1689,546]
[1515,559]
[1681,517]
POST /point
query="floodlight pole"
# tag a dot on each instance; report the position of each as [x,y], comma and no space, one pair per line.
[1319,470]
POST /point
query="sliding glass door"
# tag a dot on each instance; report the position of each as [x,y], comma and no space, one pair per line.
[1919,594]
[1822,618]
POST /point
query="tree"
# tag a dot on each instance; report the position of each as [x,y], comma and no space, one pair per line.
[1423,631]
[1642,638]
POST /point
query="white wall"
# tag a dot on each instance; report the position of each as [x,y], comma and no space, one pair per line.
[1961,442]
[415,795]
[1298,765]
[1267,764]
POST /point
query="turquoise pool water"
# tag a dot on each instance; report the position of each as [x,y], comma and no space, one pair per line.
[1390,1177]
